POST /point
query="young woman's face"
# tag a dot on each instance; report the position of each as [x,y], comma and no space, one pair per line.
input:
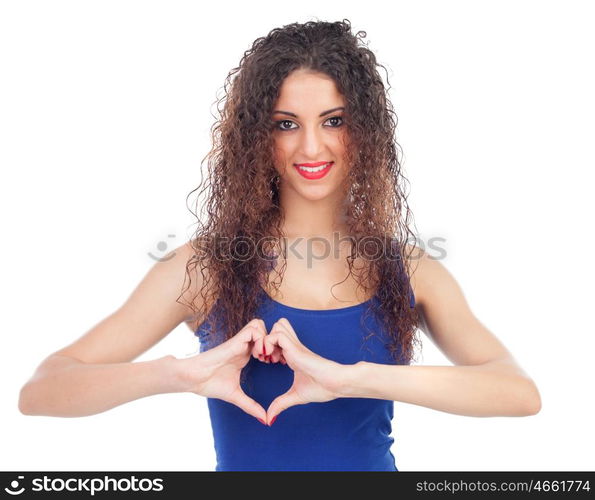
[309,128]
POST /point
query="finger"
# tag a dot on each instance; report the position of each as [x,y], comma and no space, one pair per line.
[255,331]
[257,349]
[260,325]
[276,355]
[257,324]
[246,336]
[281,403]
[287,327]
[248,333]
[277,340]
[262,348]
[263,351]
[247,404]
[271,351]
[274,352]
[272,356]
[282,325]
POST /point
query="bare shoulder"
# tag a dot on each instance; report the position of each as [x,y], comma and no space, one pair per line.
[446,317]
[153,309]
[430,279]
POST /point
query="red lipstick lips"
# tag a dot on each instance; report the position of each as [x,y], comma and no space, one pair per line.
[317,164]
[313,175]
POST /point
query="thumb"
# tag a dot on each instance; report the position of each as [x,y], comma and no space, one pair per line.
[281,403]
[247,404]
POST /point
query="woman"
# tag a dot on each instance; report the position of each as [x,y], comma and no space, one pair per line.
[304,184]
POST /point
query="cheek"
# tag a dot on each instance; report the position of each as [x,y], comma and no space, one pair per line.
[281,153]
[279,160]
[280,168]
[342,141]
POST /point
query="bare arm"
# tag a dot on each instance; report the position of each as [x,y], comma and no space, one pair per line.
[487,381]
[65,387]
[96,372]
[485,390]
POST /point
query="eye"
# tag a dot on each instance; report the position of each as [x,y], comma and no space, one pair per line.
[335,118]
[281,122]
[280,125]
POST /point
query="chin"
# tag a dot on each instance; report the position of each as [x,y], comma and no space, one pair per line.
[316,193]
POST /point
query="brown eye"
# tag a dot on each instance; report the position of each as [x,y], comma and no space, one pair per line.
[282,122]
[336,118]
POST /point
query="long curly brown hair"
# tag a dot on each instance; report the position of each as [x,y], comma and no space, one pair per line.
[243,228]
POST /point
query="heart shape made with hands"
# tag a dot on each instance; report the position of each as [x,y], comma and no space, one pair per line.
[315,377]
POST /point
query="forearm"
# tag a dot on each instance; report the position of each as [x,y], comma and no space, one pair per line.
[73,389]
[485,390]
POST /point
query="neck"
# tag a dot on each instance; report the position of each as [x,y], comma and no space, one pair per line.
[312,218]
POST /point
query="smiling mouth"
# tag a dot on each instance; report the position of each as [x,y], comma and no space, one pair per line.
[314,172]
[312,168]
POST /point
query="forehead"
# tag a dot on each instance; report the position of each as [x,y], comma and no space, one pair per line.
[308,92]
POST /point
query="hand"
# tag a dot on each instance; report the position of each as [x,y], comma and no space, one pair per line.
[315,379]
[216,373]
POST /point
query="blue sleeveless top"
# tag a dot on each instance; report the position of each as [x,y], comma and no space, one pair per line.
[345,434]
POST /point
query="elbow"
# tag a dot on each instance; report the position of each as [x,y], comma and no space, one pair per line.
[25,401]
[535,408]
[531,400]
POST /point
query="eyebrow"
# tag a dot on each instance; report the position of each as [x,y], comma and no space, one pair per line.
[321,114]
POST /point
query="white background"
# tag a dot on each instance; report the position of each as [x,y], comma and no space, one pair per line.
[105,109]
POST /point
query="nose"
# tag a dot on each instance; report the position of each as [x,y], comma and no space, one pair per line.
[312,143]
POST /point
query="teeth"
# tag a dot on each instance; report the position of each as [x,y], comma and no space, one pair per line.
[314,169]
